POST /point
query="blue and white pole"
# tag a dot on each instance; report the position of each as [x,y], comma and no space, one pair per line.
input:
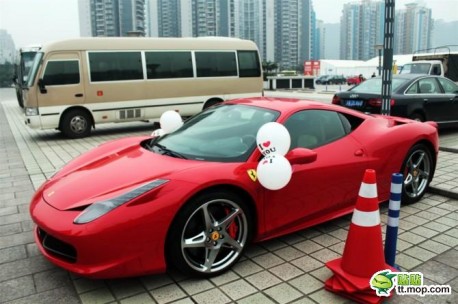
[393,219]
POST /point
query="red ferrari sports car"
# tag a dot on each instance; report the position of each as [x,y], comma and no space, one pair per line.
[191,199]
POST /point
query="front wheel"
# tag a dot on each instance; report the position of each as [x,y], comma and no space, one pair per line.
[418,169]
[209,234]
[76,124]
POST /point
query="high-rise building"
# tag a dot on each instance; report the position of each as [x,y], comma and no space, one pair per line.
[168,18]
[320,37]
[361,29]
[213,18]
[254,20]
[306,31]
[284,31]
[84,10]
[112,17]
[293,33]
[413,29]
[132,17]
[7,48]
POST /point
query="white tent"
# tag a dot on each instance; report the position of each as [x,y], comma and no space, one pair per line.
[356,67]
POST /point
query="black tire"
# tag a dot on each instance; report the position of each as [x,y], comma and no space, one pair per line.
[218,226]
[417,116]
[20,100]
[418,170]
[76,124]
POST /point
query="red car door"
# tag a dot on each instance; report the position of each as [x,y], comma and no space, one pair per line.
[324,187]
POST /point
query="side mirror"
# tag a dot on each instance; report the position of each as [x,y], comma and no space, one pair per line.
[41,85]
[300,156]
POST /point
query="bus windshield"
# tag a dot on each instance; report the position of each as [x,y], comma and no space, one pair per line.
[33,69]
[25,64]
[22,68]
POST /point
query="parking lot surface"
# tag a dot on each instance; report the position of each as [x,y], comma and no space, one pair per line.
[289,269]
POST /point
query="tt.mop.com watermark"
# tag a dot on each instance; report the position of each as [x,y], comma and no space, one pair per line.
[405,283]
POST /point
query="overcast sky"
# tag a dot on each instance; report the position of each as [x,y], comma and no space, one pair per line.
[40,21]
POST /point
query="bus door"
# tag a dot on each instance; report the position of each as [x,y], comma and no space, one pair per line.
[60,83]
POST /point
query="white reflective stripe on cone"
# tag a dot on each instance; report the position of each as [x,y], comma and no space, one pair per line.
[393,221]
[395,205]
[368,190]
[366,218]
[396,188]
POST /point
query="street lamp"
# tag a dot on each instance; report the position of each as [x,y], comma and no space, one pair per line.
[379,48]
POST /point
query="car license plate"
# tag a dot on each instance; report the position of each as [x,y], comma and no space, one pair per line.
[353,103]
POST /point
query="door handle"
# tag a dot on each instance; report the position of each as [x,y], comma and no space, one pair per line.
[79,95]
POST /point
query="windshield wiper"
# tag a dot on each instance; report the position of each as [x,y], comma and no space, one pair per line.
[169,152]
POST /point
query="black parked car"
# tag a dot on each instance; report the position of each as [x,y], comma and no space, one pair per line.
[419,97]
[321,78]
[331,79]
[336,79]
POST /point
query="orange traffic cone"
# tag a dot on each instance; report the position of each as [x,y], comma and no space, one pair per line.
[363,253]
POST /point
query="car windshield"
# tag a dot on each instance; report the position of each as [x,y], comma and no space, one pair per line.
[374,85]
[225,133]
[416,68]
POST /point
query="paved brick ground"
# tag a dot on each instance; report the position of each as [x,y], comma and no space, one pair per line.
[285,270]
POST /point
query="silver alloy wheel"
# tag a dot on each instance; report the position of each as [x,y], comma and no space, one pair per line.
[214,236]
[78,124]
[416,173]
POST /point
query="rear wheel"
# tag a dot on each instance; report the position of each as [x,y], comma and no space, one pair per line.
[76,124]
[418,169]
[209,234]
[417,116]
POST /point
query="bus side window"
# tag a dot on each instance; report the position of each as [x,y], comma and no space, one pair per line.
[248,64]
[61,72]
[115,66]
[169,65]
[216,64]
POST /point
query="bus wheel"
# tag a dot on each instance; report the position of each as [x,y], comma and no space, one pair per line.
[76,124]
[212,102]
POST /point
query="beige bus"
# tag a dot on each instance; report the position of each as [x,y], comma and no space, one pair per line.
[75,84]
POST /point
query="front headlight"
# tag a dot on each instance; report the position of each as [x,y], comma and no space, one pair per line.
[31,111]
[98,209]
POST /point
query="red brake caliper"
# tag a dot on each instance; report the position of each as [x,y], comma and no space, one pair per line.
[233,228]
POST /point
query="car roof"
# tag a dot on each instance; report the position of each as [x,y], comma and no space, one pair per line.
[414,76]
[289,105]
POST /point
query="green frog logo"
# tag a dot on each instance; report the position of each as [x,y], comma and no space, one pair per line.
[382,282]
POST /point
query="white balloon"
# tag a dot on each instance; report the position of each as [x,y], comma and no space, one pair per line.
[273,138]
[170,121]
[157,132]
[274,171]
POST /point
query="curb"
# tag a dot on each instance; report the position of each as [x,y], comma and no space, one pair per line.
[443,192]
[451,150]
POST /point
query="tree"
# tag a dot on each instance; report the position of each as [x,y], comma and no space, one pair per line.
[269,68]
[6,74]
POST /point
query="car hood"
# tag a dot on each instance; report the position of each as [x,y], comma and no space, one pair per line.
[107,172]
